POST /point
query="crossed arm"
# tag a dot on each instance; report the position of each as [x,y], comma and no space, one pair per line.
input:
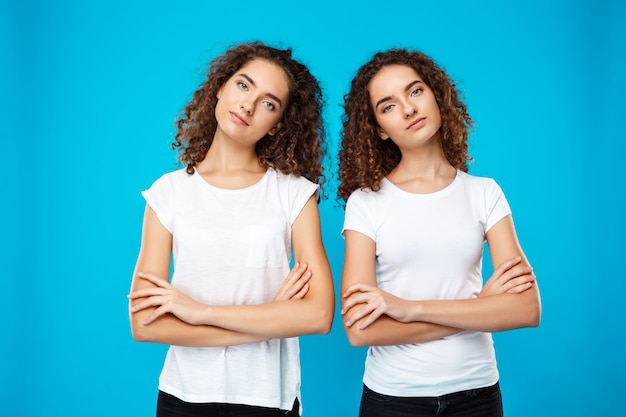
[162,314]
[510,298]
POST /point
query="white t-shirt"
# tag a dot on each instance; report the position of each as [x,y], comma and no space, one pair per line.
[231,247]
[429,247]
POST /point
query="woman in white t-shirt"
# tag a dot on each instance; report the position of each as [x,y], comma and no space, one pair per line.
[415,227]
[252,140]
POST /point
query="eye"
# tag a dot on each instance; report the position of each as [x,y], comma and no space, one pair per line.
[387,108]
[269,105]
[243,85]
[416,91]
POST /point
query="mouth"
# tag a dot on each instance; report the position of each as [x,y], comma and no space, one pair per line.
[417,123]
[238,119]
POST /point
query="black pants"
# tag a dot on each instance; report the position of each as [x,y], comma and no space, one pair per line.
[481,402]
[170,406]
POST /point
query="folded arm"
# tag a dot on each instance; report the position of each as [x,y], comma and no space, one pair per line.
[360,268]
[157,318]
[509,300]
[495,313]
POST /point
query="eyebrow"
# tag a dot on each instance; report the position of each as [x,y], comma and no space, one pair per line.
[407,88]
[270,95]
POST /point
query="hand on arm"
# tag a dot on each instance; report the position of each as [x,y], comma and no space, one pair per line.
[311,314]
[511,277]
[303,305]
[359,273]
[375,317]
[515,308]
[154,259]
[165,298]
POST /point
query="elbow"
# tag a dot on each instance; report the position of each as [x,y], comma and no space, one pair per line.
[534,317]
[139,331]
[356,337]
[324,322]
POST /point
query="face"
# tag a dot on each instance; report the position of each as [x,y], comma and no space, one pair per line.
[405,107]
[251,103]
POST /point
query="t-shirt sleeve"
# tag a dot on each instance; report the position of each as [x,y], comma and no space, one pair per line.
[497,207]
[359,216]
[159,198]
[300,190]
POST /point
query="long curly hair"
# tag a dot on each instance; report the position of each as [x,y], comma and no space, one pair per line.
[364,158]
[297,148]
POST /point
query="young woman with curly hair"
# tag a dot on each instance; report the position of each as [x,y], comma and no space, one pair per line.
[415,225]
[252,140]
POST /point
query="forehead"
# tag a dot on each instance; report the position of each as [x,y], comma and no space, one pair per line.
[391,78]
[267,77]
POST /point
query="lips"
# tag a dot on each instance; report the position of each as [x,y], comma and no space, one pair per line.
[417,123]
[238,119]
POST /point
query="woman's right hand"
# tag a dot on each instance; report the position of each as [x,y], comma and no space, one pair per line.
[296,285]
[509,278]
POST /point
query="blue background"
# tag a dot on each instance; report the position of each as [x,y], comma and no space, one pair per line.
[89,92]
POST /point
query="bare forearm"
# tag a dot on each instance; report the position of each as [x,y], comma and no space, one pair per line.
[386,331]
[169,330]
[489,314]
[273,320]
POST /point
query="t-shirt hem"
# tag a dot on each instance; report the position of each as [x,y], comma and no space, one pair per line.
[253,401]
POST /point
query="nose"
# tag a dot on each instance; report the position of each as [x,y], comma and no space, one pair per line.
[409,110]
[247,107]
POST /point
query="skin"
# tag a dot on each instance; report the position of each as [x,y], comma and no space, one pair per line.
[407,113]
[251,104]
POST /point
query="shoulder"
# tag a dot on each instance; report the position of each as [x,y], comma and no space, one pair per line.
[478,182]
[363,195]
[288,178]
[170,182]
[173,176]
[291,182]
[363,201]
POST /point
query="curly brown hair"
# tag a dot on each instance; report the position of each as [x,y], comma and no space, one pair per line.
[365,159]
[298,148]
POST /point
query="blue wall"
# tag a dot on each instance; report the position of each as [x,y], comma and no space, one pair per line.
[89,92]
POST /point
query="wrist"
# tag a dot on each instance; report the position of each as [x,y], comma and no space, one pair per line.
[204,315]
[415,312]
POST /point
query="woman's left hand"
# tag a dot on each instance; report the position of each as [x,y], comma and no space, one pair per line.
[167,299]
[372,303]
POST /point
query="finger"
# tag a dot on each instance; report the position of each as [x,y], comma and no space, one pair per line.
[300,295]
[508,264]
[295,287]
[515,274]
[146,292]
[149,302]
[358,287]
[520,288]
[301,284]
[153,279]
[520,284]
[356,298]
[505,267]
[156,314]
[294,274]
[297,270]
[366,309]
[371,318]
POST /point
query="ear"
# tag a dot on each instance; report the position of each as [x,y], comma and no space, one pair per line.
[275,129]
[382,133]
[219,92]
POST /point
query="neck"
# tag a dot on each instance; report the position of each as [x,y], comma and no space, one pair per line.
[425,163]
[229,156]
